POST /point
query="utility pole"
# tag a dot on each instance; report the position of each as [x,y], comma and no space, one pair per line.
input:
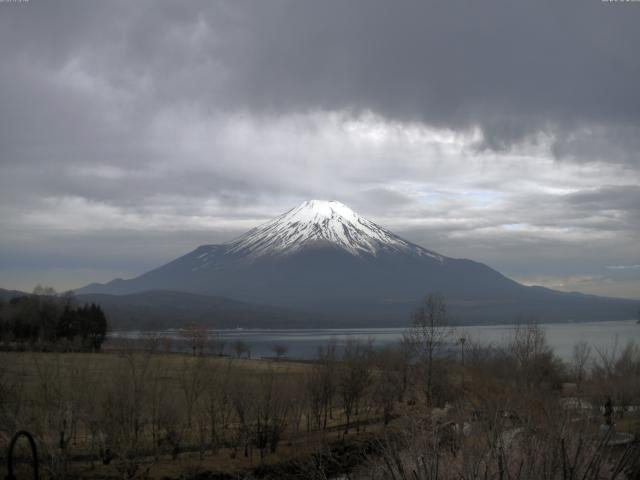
[461,404]
[462,341]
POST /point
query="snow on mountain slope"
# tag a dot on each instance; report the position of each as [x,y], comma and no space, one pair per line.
[322,258]
[322,222]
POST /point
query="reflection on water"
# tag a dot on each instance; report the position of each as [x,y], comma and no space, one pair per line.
[304,343]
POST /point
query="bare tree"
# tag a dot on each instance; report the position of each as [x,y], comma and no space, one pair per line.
[388,381]
[192,380]
[52,425]
[580,359]
[327,363]
[617,373]
[159,402]
[270,412]
[528,342]
[196,337]
[123,415]
[406,354]
[429,334]
[241,347]
[217,404]
[11,400]
[353,378]
[279,350]
[534,359]
[243,402]
[314,396]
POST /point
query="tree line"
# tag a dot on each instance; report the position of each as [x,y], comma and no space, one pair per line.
[45,320]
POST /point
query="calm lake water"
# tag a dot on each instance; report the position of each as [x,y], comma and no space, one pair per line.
[304,344]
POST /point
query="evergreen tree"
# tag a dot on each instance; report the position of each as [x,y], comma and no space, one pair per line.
[46,318]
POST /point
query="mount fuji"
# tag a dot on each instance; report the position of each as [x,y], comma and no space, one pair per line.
[323,258]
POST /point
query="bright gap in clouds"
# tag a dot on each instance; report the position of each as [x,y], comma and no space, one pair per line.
[205,177]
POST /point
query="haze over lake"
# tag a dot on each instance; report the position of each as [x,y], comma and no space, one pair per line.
[304,343]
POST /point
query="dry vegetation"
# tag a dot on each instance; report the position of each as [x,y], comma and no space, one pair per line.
[417,411]
[120,413]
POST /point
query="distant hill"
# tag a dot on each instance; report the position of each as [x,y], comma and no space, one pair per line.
[323,257]
[161,309]
[7,295]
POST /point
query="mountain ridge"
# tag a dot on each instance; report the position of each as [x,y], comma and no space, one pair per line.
[324,258]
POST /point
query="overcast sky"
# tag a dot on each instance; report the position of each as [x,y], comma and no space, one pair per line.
[505,132]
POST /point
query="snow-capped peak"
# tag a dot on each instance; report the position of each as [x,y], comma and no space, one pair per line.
[317,222]
[316,210]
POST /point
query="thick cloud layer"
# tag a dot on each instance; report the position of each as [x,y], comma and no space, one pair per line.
[500,131]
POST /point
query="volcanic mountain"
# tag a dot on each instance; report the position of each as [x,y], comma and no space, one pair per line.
[323,258]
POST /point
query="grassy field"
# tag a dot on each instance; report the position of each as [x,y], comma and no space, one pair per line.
[145,414]
[163,415]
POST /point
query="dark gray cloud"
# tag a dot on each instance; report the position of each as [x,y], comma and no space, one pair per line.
[501,131]
[512,69]
[509,67]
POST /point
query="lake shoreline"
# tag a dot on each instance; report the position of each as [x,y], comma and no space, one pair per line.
[303,343]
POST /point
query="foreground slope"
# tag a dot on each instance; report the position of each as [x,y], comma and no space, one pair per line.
[322,257]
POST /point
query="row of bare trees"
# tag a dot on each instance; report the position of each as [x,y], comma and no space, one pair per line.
[197,339]
[518,412]
[130,408]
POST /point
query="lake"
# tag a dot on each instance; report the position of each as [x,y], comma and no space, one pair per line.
[304,344]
